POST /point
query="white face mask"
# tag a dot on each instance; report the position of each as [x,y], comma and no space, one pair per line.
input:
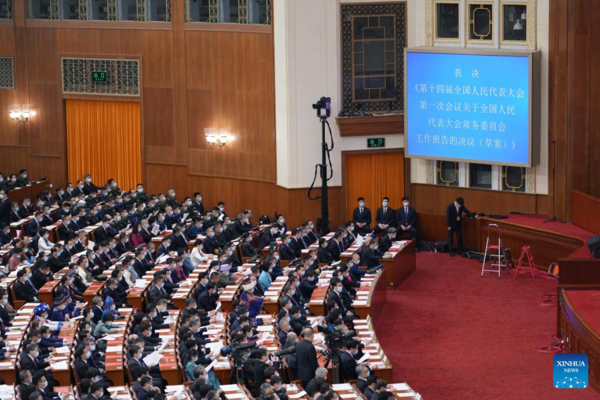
[405,204]
[385,203]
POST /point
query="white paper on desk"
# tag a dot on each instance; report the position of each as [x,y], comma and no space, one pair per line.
[212,364]
[218,305]
[168,320]
[114,349]
[347,396]
[6,364]
[76,318]
[63,350]
[341,386]
[91,245]
[265,328]
[297,395]
[401,386]
[215,346]
[236,396]
[140,283]
[408,394]
[360,303]
[220,317]
[152,358]
[364,358]
[60,365]
[230,388]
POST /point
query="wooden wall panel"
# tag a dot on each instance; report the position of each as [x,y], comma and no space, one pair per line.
[190,80]
[434,199]
[158,118]
[574,101]
[586,211]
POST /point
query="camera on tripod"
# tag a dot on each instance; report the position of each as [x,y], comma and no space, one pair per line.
[335,340]
[323,107]
[237,350]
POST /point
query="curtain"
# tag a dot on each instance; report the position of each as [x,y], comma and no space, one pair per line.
[104,140]
[374,176]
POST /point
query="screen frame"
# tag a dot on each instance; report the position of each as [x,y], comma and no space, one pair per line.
[534,56]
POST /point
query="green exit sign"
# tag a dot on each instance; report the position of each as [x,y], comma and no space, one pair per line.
[375,143]
[99,76]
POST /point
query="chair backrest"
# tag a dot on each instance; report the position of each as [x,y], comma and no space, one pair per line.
[17,304]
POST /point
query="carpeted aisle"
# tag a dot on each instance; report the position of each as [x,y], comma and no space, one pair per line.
[453,335]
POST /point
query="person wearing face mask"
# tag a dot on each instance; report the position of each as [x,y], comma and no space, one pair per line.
[23,290]
[35,224]
[197,256]
[44,243]
[385,216]
[265,278]
[5,238]
[88,186]
[361,217]
[22,180]
[348,362]
[14,212]
[344,303]
[407,219]
[269,236]
[454,213]
[210,244]
[165,247]
[252,303]
[197,205]
[248,249]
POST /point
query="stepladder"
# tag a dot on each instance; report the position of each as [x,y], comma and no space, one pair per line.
[525,252]
[494,252]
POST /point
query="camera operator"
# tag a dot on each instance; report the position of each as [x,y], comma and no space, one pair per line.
[260,365]
[307,357]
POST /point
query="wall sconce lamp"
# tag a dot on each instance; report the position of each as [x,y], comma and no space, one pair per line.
[219,138]
[20,112]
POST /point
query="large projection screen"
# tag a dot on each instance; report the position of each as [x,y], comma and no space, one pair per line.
[468,105]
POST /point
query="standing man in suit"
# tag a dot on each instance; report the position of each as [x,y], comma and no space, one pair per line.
[407,219]
[362,217]
[4,208]
[307,357]
[454,222]
[385,216]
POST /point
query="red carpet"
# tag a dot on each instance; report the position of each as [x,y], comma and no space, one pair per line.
[453,335]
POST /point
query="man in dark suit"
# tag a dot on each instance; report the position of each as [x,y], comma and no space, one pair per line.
[22,290]
[178,240]
[296,244]
[5,235]
[268,237]
[347,361]
[307,357]
[387,240]
[14,213]
[335,246]
[35,224]
[407,219]
[362,217]
[64,229]
[370,255]
[385,216]
[361,380]
[206,301]
[259,370]
[454,213]
[286,250]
